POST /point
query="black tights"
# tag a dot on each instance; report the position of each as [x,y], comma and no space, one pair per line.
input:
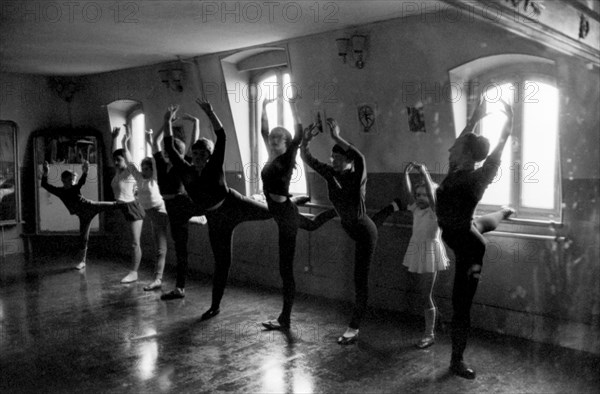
[221,223]
[86,214]
[289,220]
[180,210]
[469,249]
[364,234]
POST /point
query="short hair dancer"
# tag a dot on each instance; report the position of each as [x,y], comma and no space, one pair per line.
[457,198]
[180,207]
[346,179]
[224,208]
[276,176]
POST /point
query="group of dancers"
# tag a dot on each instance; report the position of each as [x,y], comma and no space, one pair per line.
[171,187]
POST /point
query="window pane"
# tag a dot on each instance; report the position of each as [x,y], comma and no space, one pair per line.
[540,126]
[298,183]
[138,138]
[498,193]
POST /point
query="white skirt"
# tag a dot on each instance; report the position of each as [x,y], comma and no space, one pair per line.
[424,256]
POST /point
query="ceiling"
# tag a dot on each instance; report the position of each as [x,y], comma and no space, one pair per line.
[87,37]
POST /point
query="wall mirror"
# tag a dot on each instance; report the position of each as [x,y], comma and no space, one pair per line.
[65,150]
[9,170]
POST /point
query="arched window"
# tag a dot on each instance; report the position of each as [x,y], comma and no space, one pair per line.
[269,85]
[130,112]
[528,179]
[138,146]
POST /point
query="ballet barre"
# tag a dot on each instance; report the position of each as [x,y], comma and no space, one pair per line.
[538,237]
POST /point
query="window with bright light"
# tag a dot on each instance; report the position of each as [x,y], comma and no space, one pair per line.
[271,85]
[138,145]
[528,179]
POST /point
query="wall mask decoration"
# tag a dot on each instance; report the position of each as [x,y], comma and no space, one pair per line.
[584,27]
[367,118]
[536,5]
[416,118]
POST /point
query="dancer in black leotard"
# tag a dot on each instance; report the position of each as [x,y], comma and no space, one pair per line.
[178,203]
[346,180]
[457,197]
[224,208]
[276,177]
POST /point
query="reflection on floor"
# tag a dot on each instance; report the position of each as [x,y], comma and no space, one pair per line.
[62,330]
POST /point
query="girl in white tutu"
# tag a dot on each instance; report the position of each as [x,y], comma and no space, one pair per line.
[425,254]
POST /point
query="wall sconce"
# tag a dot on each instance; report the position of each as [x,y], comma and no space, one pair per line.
[355,45]
[172,78]
[342,46]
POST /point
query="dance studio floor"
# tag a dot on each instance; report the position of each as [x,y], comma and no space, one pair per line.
[65,331]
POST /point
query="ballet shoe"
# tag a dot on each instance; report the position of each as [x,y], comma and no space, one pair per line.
[275,325]
[80,266]
[173,294]
[300,200]
[425,342]
[349,337]
[209,314]
[154,285]
[460,369]
[507,212]
[132,276]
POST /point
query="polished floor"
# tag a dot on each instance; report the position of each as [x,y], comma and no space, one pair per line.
[66,331]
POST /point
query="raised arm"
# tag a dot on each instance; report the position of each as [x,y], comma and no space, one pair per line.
[84,169]
[212,116]
[321,168]
[169,118]
[428,184]
[478,114]
[298,133]
[157,141]
[149,134]
[195,130]
[126,139]
[264,122]
[174,157]
[351,151]
[218,156]
[116,131]
[496,154]
[408,183]
[45,184]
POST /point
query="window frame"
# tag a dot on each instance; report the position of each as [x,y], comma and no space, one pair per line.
[137,110]
[519,74]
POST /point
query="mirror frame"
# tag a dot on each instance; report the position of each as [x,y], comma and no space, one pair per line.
[14,130]
[69,132]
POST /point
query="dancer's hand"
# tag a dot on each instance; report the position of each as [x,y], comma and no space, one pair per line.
[267,102]
[127,135]
[508,111]
[45,168]
[187,116]
[115,132]
[308,133]
[172,113]
[149,136]
[334,129]
[204,105]
[479,112]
